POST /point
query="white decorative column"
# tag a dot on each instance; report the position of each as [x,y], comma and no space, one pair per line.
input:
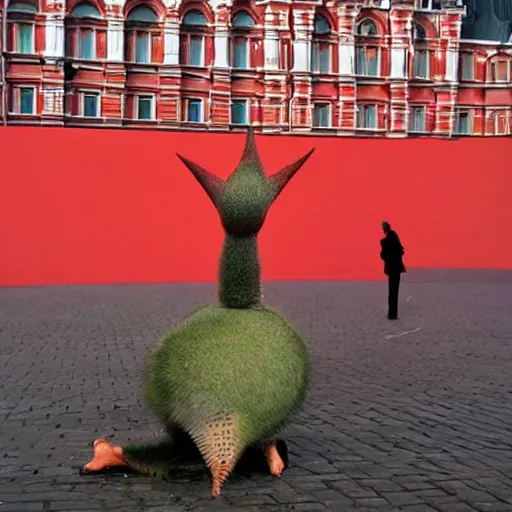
[172,42]
[450,24]
[346,106]
[452,66]
[52,86]
[271,41]
[221,47]
[299,104]
[220,91]
[115,40]
[398,63]
[302,42]
[401,23]
[54,36]
[346,29]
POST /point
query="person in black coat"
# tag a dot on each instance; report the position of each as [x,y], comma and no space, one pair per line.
[391,253]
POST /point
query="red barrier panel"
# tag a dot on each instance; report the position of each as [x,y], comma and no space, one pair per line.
[106,206]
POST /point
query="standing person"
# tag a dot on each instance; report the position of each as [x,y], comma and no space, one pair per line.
[391,253]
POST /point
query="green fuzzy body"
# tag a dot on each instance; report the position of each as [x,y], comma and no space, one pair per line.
[238,366]
[244,361]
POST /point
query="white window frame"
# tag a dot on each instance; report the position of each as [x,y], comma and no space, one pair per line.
[363,107]
[147,33]
[458,112]
[247,111]
[16,99]
[415,108]
[81,104]
[465,56]
[329,110]
[136,98]
[77,43]
[202,37]
[201,109]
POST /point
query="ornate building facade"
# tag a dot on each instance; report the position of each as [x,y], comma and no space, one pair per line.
[338,67]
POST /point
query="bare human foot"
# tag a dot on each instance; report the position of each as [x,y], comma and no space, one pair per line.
[275,462]
[105,456]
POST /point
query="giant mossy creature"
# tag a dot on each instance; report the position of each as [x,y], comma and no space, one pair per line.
[231,375]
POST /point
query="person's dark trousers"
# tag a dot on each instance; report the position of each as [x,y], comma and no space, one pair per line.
[393,286]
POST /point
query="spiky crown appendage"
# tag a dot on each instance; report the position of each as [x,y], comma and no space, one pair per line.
[243,201]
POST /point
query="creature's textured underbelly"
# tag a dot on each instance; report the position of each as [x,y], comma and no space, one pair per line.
[249,363]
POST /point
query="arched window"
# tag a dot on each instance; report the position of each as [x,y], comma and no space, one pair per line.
[85,10]
[193,38]
[242,43]
[21,26]
[368,50]
[421,57]
[499,69]
[367,27]
[141,23]
[82,28]
[321,47]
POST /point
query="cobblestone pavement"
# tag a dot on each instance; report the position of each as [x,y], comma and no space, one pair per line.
[413,415]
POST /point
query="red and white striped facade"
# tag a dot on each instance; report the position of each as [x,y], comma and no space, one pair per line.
[380,67]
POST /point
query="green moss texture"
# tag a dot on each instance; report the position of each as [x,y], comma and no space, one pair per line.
[237,358]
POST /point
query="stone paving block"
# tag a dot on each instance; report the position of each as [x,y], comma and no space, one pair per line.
[373,503]
[22,507]
[258,499]
[492,507]
[456,507]
[400,499]
[332,498]
[417,508]
[306,507]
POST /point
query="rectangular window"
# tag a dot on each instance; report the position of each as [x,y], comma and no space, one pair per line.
[421,64]
[321,58]
[367,62]
[430,4]
[463,123]
[322,115]
[417,119]
[468,66]
[500,71]
[239,112]
[24,38]
[367,117]
[194,111]
[196,54]
[142,47]
[26,100]
[500,123]
[85,44]
[91,104]
[240,54]
[145,107]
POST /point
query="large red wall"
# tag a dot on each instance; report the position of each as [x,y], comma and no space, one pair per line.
[104,206]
